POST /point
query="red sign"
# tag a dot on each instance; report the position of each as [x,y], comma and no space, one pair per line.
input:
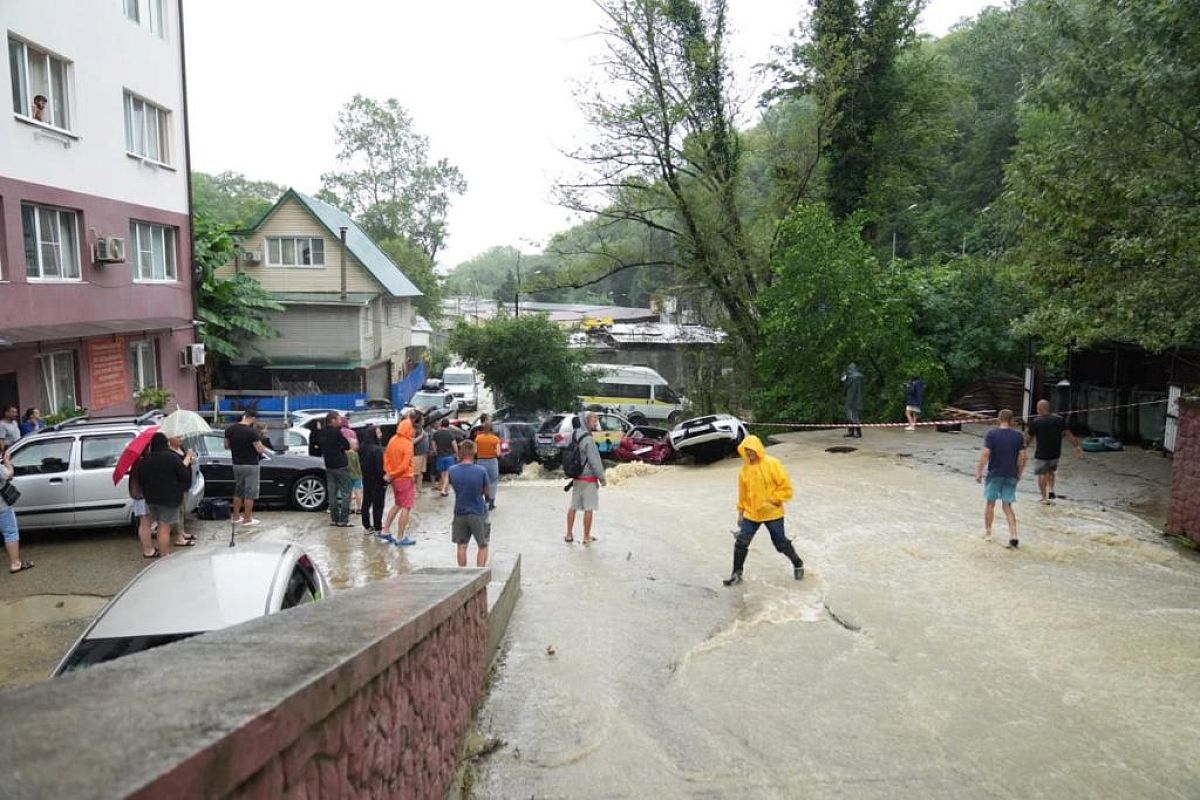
[107,361]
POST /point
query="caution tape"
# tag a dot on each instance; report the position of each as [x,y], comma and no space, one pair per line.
[973,420]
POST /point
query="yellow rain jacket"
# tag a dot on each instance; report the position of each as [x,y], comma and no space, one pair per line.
[763,487]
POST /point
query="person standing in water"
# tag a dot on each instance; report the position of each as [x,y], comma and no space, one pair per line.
[763,488]
[852,383]
[1004,456]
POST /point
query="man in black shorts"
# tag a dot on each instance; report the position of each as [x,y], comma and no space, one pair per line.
[243,442]
[1049,430]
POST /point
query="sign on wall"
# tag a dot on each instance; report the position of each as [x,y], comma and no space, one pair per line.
[109,370]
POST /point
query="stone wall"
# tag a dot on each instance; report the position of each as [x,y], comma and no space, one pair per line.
[367,693]
[1185,473]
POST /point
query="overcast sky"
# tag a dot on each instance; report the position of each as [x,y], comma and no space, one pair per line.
[490,83]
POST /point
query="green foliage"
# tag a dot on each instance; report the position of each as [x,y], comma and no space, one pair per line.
[150,397]
[64,413]
[833,303]
[417,267]
[525,360]
[230,198]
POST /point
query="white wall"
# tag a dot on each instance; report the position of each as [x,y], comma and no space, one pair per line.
[109,53]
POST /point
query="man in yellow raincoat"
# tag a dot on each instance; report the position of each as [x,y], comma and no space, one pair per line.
[763,488]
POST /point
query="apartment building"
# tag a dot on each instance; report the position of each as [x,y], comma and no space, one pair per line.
[96,288]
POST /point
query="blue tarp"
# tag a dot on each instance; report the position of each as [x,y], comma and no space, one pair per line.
[402,393]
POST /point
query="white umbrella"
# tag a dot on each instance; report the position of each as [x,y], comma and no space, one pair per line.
[183,423]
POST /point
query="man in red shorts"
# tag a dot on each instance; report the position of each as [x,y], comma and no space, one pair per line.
[398,470]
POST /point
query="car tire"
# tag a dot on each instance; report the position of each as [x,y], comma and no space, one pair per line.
[637,419]
[308,493]
[674,417]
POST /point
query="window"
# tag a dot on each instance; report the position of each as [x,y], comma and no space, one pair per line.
[630,391]
[51,242]
[58,380]
[611,423]
[146,12]
[293,251]
[102,452]
[131,10]
[665,394]
[153,251]
[147,129]
[145,364]
[43,458]
[39,84]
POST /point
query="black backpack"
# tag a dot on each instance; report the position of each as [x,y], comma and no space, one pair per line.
[573,460]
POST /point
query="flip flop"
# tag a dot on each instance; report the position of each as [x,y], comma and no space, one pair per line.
[24,566]
[190,537]
[155,554]
[188,543]
[569,539]
[593,539]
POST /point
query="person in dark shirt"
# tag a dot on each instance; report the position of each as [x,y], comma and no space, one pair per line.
[914,398]
[446,444]
[331,445]
[1004,456]
[245,445]
[164,478]
[1049,430]
[370,457]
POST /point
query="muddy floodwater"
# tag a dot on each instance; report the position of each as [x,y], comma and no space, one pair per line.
[914,660]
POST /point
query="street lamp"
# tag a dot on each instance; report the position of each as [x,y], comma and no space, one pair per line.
[910,208]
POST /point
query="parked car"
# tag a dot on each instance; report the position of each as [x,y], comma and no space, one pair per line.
[463,383]
[434,400]
[65,473]
[301,415]
[294,480]
[196,591]
[518,445]
[646,444]
[709,438]
[555,434]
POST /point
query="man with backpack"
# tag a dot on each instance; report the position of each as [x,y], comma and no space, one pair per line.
[582,464]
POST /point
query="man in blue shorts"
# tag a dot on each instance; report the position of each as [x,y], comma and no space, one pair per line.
[1004,456]
[445,443]
[470,482]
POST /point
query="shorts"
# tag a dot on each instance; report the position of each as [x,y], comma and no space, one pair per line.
[418,465]
[8,524]
[1045,466]
[404,491]
[167,515]
[356,483]
[1002,489]
[914,409]
[468,526]
[139,508]
[585,495]
[444,463]
[245,481]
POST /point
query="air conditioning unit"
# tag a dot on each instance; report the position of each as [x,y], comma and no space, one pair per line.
[110,249]
[192,355]
[251,256]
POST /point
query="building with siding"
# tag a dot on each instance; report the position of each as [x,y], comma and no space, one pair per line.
[95,238]
[348,317]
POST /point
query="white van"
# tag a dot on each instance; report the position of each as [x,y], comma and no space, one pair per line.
[464,385]
[640,393]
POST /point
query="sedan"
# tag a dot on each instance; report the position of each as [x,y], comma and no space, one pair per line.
[196,591]
[294,480]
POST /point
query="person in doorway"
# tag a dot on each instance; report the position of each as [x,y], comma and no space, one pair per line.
[370,459]
[446,445]
[164,479]
[398,469]
[585,490]
[1004,456]
[763,488]
[38,111]
[190,461]
[245,445]
[420,449]
[470,482]
[10,429]
[487,449]
[1049,430]
[331,445]
[32,423]
[852,384]
[914,398]
[8,518]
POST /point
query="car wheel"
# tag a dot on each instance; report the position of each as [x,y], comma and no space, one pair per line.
[674,417]
[637,419]
[308,493]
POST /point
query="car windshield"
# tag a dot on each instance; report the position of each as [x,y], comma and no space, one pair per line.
[97,651]
[551,425]
[459,379]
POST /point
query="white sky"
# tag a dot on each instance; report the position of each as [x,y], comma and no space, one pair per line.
[490,83]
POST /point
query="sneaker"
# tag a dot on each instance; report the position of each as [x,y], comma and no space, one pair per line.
[1012,544]
[910,427]
[405,542]
[798,572]
[733,579]
[249,522]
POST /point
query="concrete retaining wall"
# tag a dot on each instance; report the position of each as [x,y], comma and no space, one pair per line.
[1185,473]
[368,692]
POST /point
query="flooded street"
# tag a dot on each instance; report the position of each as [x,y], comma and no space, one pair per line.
[914,659]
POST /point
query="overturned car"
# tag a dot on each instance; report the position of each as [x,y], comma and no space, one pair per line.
[709,438]
[646,444]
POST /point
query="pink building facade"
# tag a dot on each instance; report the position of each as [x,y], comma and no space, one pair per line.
[96,281]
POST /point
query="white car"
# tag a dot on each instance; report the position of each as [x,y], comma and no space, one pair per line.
[428,401]
[463,383]
[708,438]
[194,591]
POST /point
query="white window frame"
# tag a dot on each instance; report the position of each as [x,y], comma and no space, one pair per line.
[151,14]
[58,98]
[49,364]
[152,123]
[144,353]
[274,250]
[147,238]
[37,271]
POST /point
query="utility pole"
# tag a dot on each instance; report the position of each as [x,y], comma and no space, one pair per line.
[517,289]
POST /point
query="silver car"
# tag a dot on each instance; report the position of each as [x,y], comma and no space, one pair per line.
[65,472]
[195,591]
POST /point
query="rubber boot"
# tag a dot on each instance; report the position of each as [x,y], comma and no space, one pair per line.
[797,563]
[740,550]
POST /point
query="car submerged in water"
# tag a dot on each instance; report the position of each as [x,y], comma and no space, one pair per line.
[708,438]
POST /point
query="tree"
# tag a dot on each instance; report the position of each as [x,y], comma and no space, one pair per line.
[233,310]
[387,181]
[525,360]
[230,198]
[417,267]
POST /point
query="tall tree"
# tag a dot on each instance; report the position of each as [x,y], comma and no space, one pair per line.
[230,198]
